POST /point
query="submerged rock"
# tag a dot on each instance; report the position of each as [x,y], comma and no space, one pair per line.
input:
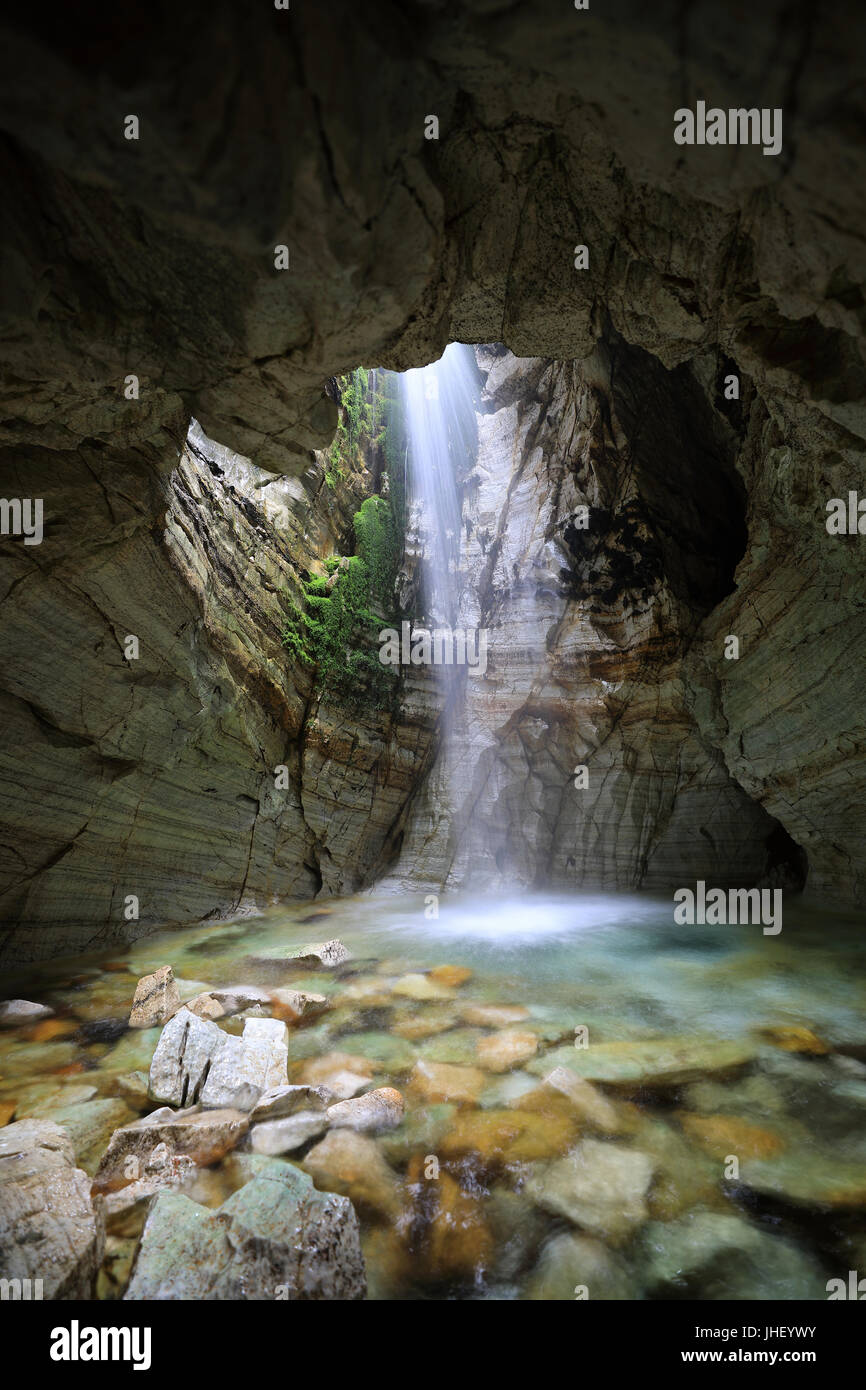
[50,1228]
[156,998]
[493,1015]
[275,1238]
[652,1062]
[352,1164]
[590,1106]
[439,1081]
[422,987]
[508,1136]
[451,975]
[421,1131]
[327,953]
[340,1072]
[14,1012]
[808,1177]
[600,1187]
[387,1053]
[569,1263]
[90,1125]
[377,1110]
[502,1051]
[720,1135]
[301,1005]
[716,1255]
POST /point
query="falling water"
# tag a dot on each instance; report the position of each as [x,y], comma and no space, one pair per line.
[440,415]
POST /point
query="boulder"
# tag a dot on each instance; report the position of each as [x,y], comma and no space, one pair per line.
[146,1145]
[156,998]
[275,1238]
[50,1227]
[183,1058]
[196,1062]
[376,1110]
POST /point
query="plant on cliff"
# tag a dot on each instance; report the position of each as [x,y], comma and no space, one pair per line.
[354,424]
[338,630]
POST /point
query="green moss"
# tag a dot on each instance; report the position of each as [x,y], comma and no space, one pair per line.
[338,629]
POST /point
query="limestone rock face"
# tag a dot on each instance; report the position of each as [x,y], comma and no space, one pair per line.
[50,1229]
[137,789]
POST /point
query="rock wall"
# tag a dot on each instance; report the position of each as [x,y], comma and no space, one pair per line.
[204,776]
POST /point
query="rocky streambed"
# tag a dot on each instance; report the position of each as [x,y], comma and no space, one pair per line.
[524,1098]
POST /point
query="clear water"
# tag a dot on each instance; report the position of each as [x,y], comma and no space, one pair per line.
[615,966]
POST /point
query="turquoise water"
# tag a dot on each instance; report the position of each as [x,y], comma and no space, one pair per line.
[762,1041]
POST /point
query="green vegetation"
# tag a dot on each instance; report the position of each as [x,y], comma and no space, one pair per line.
[355,423]
[338,629]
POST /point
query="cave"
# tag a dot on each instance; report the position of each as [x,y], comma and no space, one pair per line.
[432,598]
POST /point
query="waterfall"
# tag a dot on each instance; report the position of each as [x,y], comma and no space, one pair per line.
[442,430]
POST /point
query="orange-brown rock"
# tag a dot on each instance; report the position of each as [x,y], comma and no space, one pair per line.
[451,975]
[442,1081]
[721,1135]
[500,1137]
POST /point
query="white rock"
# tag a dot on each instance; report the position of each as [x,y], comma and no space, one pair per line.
[16,1011]
[243,1068]
[183,1057]
[195,1062]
